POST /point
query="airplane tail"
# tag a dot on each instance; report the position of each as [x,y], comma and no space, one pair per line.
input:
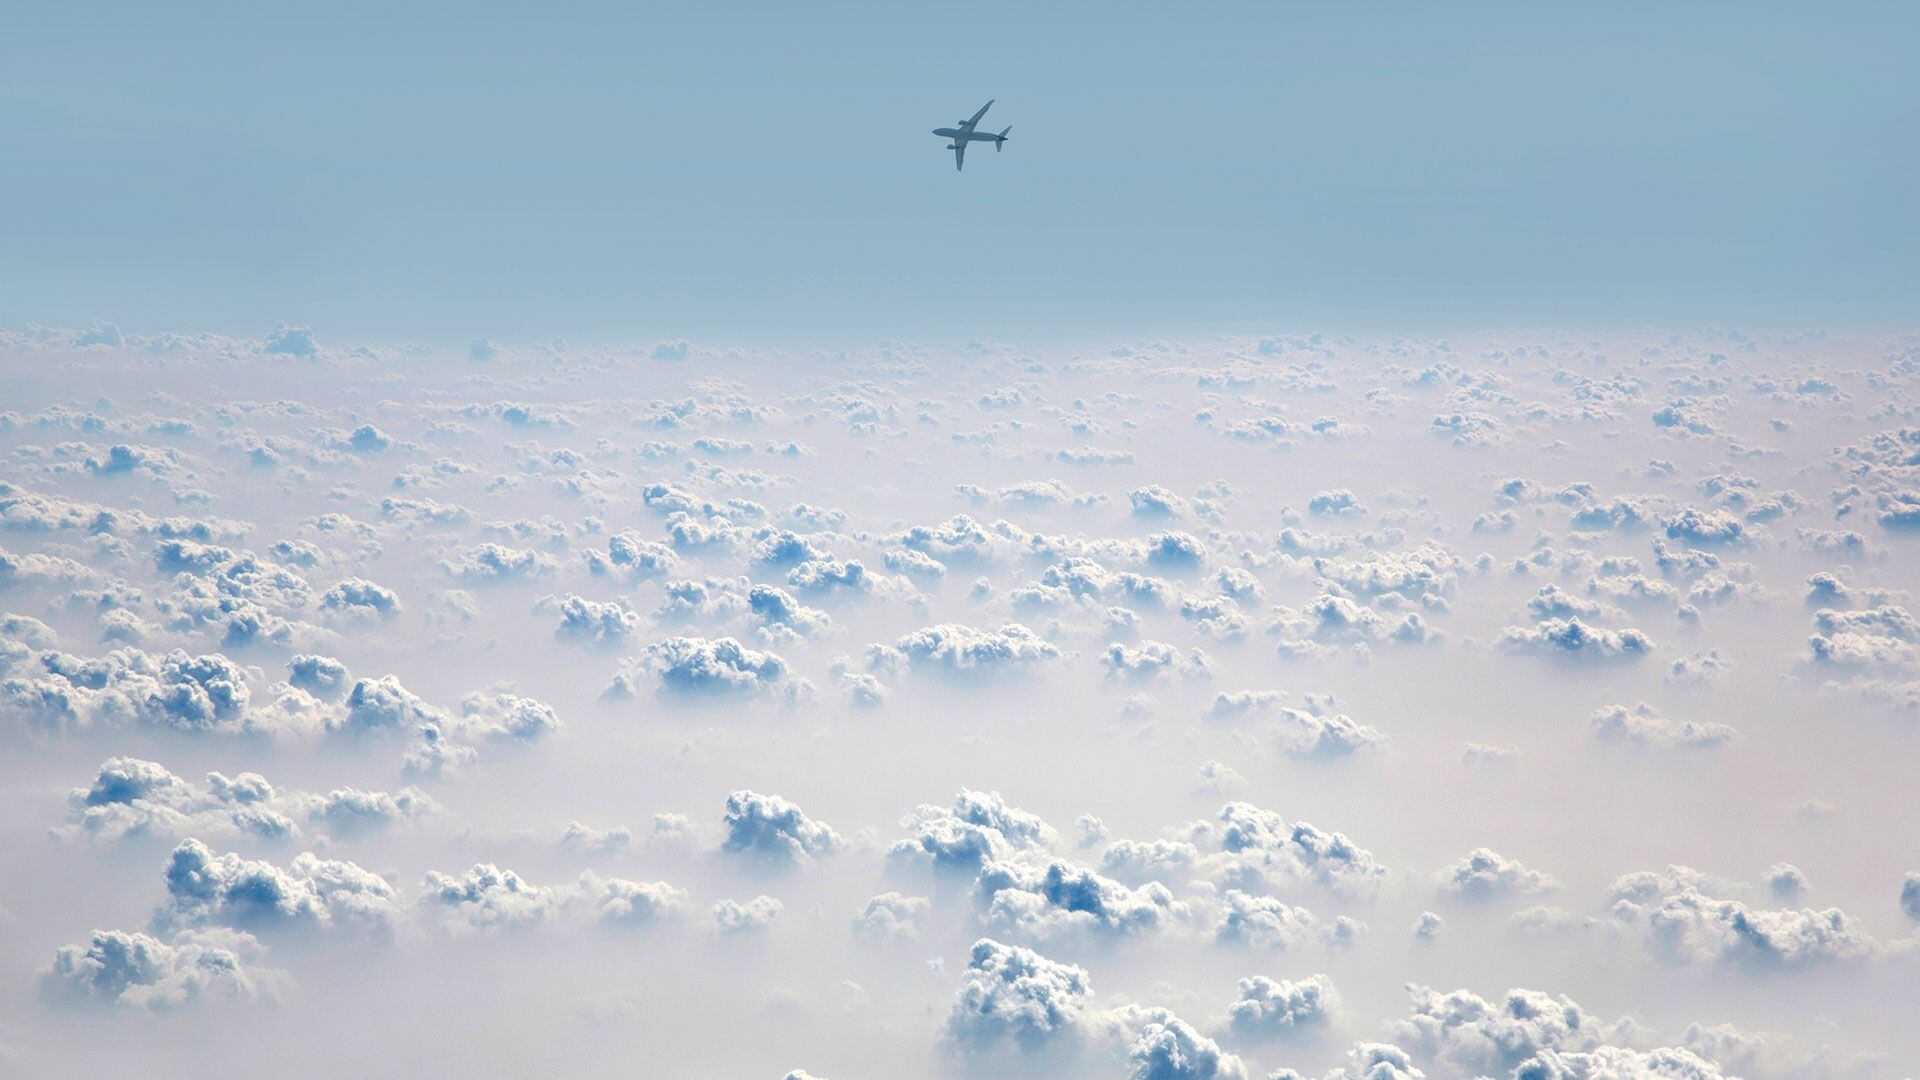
[1001,139]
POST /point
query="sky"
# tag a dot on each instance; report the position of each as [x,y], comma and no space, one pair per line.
[765,172]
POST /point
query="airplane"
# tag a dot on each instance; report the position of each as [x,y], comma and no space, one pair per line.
[965,134]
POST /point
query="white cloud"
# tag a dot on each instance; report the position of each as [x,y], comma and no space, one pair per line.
[137,971]
[770,827]
[1011,995]
[1485,874]
[1270,1008]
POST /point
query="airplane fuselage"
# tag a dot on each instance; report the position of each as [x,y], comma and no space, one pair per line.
[970,136]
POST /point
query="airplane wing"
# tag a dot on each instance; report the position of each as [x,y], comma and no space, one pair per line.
[967,125]
[959,154]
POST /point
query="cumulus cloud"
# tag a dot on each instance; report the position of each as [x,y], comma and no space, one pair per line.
[746,916]
[490,562]
[697,666]
[1037,901]
[770,827]
[954,648]
[1152,659]
[1707,528]
[1154,501]
[634,557]
[487,897]
[1255,849]
[132,797]
[1485,874]
[1270,1008]
[1084,579]
[1171,1049]
[322,676]
[133,970]
[1664,1063]
[593,622]
[1643,725]
[1013,996]
[1322,735]
[1887,634]
[892,916]
[783,618]
[1328,620]
[1366,1061]
[179,691]
[1475,1035]
[1264,922]
[1679,920]
[1427,570]
[980,827]
[1575,640]
[311,894]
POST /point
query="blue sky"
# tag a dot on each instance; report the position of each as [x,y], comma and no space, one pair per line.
[765,172]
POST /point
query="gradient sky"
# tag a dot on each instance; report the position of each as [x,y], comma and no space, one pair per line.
[765,172]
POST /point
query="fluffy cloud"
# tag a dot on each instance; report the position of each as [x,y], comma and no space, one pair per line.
[1171,1049]
[746,916]
[1428,570]
[131,797]
[311,894]
[782,617]
[1153,658]
[1154,501]
[1083,579]
[498,714]
[1576,640]
[492,562]
[1035,901]
[638,903]
[1014,996]
[1486,874]
[1606,1062]
[1474,1034]
[634,557]
[322,676]
[980,827]
[1265,922]
[1256,849]
[487,897]
[178,690]
[892,917]
[1643,725]
[770,827]
[1268,1008]
[1329,620]
[702,666]
[360,595]
[1680,921]
[1323,735]
[954,648]
[591,622]
[1888,634]
[1367,1061]
[137,971]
